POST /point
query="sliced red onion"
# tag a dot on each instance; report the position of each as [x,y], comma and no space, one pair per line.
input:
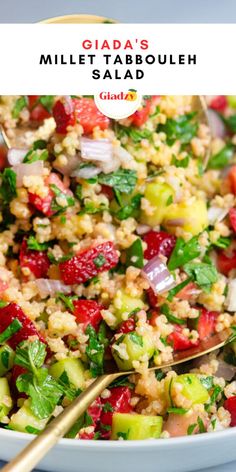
[86,172]
[16,156]
[225,370]
[22,170]
[96,149]
[142,229]
[73,163]
[230,301]
[51,287]
[216,214]
[218,128]
[175,222]
[158,276]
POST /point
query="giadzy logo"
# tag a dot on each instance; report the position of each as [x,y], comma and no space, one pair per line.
[131,95]
[118,105]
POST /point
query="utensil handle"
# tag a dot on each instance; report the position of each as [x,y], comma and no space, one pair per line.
[29,457]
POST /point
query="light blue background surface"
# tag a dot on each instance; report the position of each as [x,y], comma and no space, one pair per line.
[142,11]
[139,11]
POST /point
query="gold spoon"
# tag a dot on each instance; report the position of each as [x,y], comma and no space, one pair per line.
[30,456]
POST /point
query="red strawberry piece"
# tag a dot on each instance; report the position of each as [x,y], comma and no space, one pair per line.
[37,111]
[152,297]
[187,292]
[232,218]
[36,261]
[141,116]
[206,323]
[127,326]
[3,156]
[158,242]
[219,103]
[230,405]
[119,402]
[89,263]
[179,341]
[89,116]
[231,178]
[226,263]
[152,317]
[64,114]
[87,312]
[43,204]
[11,312]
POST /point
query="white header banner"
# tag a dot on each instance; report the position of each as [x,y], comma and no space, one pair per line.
[90,59]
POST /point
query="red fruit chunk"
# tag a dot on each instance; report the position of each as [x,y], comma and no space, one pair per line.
[152,297]
[158,242]
[219,103]
[152,317]
[231,177]
[119,402]
[64,115]
[230,405]
[179,341]
[37,110]
[89,116]
[141,116]
[187,292]
[226,263]
[107,191]
[206,323]
[44,204]
[3,156]
[87,312]
[127,326]
[36,261]
[12,312]
[94,411]
[232,218]
[89,263]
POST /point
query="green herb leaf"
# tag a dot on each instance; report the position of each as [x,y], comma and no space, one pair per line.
[177,289]
[55,206]
[180,162]
[107,407]
[39,144]
[100,260]
[134,254]
[34,245]
[47,102]
[191,428]
[203,274]
[165,310]
[13,327]
[67,300]
[222,158]
[123,180]
[18,107]
[31,355]
[223,242]
[8,185]
[123,436]
[33,156]
[95,352]
[230,122]
[32,430]
[216,391]
[135,134]
[183,128]
[184,252]
[207,382]
[131,209]
[202,428]
[177,411]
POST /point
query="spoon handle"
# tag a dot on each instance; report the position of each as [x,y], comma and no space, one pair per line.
[29,457]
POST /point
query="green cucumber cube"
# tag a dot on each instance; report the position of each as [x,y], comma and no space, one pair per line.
[135,427]
[73,368]
[6,359]
[24,418]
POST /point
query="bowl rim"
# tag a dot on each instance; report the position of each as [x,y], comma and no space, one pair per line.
[143,444]
[80,16]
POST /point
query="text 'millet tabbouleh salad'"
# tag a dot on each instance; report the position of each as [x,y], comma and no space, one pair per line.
[114,244]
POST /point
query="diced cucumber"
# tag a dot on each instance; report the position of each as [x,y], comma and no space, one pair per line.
[73,368]
[136,348]
[231,99]
[6,359]
[136,427]
[192,388]
[125,304]
[194,216]
[25,418]
[159,195]
[5,398]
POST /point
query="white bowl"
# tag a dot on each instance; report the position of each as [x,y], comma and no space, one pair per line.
[183,454]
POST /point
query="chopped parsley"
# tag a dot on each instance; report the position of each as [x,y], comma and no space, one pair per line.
[107,407]
[130,209]
[123,436]
[67,300]
[135,134]
[100,260]
[67,200]
[191,428]
[180,162]
[123,180]
[201,426]
[136,338]
[202,273]
[35,155]
[184,252]
[175,290]
[20,104]
[134,254]
[95,351]
[34,245]
[183,128]
[8,185]
[13,327]
[165,310]
[222,158]
[177,411]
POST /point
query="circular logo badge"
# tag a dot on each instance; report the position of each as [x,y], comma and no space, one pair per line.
[118,105]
